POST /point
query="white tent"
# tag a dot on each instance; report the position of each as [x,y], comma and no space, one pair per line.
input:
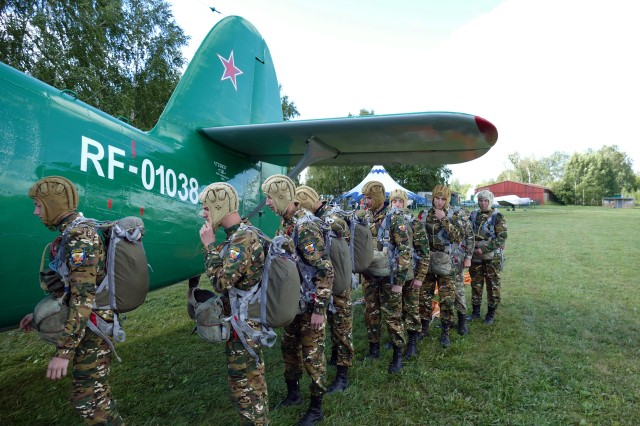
[378,173]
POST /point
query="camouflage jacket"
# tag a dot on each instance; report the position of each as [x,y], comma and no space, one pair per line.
[420,248]
[468,239]
[240,265]
[311,249]
[399,235]
[442,233]
[480,228]
[85,257]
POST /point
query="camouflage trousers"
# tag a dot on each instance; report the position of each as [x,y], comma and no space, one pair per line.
[411,307]
[341,327]
[247,383]
[486,272]
[446,294]
[91,395]
[460,302]
[301,345]
[380,299]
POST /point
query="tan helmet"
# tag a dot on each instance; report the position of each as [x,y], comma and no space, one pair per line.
[58,199]
[307,197]
[222,200]
[399,194]
[282,191]
[375,190]
[441,191]
[485,195]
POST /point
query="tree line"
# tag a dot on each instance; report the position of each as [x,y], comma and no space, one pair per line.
[580,179]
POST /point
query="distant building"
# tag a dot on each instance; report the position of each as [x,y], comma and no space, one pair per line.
[538,193]
[618,202]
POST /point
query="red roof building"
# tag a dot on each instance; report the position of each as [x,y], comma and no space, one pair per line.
[538,193]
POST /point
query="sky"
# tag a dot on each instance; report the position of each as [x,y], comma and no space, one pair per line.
[551,75]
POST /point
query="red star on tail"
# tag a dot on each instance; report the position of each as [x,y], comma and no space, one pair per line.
[230,70]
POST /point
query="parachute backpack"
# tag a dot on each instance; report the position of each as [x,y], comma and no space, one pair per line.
[126,283]
[360,242]
[272,302]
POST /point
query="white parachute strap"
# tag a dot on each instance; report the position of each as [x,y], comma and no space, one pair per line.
[104,330]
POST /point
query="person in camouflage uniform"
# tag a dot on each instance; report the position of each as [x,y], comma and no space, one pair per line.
[490,231]
[411,289]
[303,340]
[462,260]
[340,321]
[443,232]
[56,202]
[241,267]
[383,292]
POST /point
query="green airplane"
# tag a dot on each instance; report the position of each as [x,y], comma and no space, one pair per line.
[223,123]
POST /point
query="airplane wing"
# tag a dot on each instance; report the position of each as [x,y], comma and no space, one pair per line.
[506,204]
[417,138]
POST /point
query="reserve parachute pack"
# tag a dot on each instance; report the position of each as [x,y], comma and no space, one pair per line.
[123,288]
[272,302]
[385,256]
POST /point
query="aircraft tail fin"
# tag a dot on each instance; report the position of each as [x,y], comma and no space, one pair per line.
[231,80]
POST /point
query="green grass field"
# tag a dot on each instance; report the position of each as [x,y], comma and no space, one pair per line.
[564,349]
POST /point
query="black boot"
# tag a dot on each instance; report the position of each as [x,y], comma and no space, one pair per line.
[488,319]
[314,413]
[475,314]
[410,352]
[396,362]
[374,351]
[293,394]
[463,330]
[334,356]
[425,330]
[341,381]
[444,337]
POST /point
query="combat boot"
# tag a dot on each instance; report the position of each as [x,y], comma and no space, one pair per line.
[410,352]
[463,330]
[334,356]
[314,413]
[396,363]
[341,381]
[374,351]
[475,314]
[293,394]
[425,330]
[488,319]
[444,337]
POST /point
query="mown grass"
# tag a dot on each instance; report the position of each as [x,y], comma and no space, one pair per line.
[564,349]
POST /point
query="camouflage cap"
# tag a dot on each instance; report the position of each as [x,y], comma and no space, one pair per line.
[399,194]
[282,191]
[307,197]
[375,190]
[221,199]
[442,191]
[58,199]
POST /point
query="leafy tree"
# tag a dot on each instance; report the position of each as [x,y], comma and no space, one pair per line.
[121,56]
[595,174]
[289,109]
[529,170]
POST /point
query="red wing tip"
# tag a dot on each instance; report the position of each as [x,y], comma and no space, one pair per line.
[488,130]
